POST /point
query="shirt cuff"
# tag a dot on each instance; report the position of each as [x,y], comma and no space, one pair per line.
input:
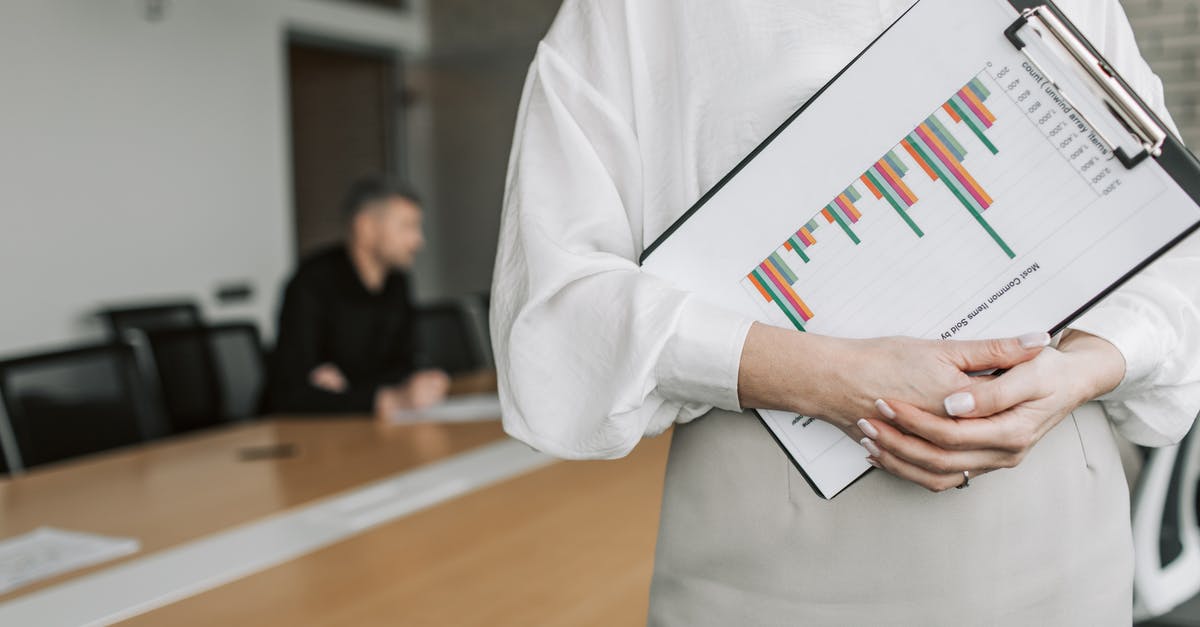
[700,362]
[1132,332]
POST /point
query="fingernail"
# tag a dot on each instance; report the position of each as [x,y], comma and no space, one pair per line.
[960,403]
[885,410]
[873,462]
[868,429]
[871,447]
[1034,340]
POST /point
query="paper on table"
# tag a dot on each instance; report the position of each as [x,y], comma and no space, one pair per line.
[46,552]
[466,408]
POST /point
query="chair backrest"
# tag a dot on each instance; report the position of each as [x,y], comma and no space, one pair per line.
[182,368]
[123,320]
[9,455]
[447,338]
[207,375]
[237,354]
[7,442]
[75,402]
[1166,532]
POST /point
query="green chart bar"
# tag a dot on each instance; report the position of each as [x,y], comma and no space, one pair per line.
[970,121]
[948,179]
[798,248]
[889,194]
[837,216]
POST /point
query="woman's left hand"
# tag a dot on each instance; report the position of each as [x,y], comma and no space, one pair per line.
[996,421]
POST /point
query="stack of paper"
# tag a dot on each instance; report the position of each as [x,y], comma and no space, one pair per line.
[46,552]
[466,408]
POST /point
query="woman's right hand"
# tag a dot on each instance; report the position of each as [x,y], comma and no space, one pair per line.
[838,380]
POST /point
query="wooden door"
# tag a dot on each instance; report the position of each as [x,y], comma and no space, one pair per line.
[345,115]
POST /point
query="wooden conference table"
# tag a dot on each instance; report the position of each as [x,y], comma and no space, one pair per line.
[570,543]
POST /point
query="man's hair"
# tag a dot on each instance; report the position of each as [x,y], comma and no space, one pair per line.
[374,189]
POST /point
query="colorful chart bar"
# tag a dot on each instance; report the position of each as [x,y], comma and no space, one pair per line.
[771,279]
[844,204]
[938,160]
[885,179]
[967,106]
[843,212]
[934,148]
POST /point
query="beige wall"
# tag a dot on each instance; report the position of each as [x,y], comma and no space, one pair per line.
[1168,33]
[469,86]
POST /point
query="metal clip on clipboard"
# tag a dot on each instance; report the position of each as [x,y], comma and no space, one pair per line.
[1121,103]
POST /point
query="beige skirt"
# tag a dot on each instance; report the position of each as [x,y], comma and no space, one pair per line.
[744,540]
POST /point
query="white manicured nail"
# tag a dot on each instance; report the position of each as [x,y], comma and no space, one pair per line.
[1034,340]
[868,429]
[885,410]
[959,404]
[871,461]
[871,447]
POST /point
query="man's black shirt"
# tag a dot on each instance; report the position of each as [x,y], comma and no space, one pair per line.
[329,316]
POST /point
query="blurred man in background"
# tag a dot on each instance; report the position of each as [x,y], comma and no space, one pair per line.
[346,328]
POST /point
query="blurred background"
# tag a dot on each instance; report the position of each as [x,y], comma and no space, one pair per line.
[159,149]
[168,154]
[195,148]
[1168,32]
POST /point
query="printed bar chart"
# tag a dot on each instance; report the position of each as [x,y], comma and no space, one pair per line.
[931,147]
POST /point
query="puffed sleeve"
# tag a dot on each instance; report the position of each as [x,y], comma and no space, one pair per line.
[1154,319]
[592,354]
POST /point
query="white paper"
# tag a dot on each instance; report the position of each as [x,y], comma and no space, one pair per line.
[465,408]
[46,552]
[1050,221]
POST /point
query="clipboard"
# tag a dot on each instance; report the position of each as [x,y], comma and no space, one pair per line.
[1140,140]
[1157,144]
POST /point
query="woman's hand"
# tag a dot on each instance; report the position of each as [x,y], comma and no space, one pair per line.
[838,380]
[995,421]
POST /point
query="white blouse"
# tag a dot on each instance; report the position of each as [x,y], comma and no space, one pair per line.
[632,109]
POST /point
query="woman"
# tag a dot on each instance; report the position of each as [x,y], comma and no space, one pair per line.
[631,111]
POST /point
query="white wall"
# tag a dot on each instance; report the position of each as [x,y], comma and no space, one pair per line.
[145,160]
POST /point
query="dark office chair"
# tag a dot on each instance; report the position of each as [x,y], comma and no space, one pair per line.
[75,402]
[447,338]
[1166,532]
[122,321]
[237,353]
[130,323]
[207,375]
[180,365]
[8,444]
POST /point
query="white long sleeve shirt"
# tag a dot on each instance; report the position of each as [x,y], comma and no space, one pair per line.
[631,110]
